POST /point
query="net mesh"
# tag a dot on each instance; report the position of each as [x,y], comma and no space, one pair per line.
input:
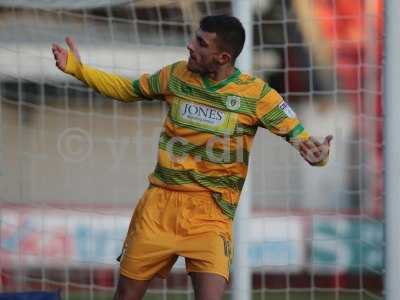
[73,164]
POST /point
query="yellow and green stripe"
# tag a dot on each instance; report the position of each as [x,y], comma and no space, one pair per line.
[298,129]
[154,83]
[181,177]
[227,208]
[214,99]
[274,117]
[136,88]
[180,149]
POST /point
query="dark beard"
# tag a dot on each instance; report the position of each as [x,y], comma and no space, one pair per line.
[195,70]
[203,72]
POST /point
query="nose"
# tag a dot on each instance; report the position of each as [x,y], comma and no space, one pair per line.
[190,46]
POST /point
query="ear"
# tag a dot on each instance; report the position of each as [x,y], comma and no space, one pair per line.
[224,58]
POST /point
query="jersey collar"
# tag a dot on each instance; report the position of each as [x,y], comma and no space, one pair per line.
[209,85]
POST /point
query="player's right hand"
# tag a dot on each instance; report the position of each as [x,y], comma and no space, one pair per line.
[61,54]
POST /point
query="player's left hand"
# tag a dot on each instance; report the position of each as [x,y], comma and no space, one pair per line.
[314,152]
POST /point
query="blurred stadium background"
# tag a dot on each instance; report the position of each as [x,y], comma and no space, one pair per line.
[73,164]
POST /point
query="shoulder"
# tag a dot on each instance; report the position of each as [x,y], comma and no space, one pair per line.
[251,86]
[180,74]
[262,90]
[178,67]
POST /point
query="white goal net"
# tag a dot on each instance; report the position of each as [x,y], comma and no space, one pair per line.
[73,164]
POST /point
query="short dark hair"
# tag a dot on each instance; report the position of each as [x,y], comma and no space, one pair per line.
[229,30]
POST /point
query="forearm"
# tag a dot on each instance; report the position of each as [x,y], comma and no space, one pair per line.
[110,85]
[276,115]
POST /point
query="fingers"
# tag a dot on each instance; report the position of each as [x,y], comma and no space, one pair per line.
[56,52]
[57,47]
[310,145]
[60,55]
[72,46]
[309,151]
[314,151]
[314,141]
[71,43]
[328,139]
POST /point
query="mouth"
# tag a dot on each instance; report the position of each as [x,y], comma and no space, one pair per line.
[192,63]
[192,58]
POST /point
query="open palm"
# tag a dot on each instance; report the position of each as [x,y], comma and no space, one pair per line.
[315,152]
[61,54]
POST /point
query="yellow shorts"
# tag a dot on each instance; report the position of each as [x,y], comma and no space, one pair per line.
[167,224]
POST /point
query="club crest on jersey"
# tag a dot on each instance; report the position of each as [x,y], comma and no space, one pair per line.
[233,102]
[287,110]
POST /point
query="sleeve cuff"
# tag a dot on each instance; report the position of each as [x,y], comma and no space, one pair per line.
[73,64]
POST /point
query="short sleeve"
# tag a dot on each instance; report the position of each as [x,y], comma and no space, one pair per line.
[274,114]
[154,85]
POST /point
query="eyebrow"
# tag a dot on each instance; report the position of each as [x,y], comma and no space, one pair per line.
[201,39]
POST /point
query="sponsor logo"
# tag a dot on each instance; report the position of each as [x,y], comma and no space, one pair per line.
[233,102]
[287,110]
[203,117]
[201,113]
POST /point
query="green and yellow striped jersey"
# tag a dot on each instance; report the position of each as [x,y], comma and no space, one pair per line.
[209,129]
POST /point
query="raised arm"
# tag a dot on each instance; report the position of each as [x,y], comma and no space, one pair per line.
[110,85]
[277,116]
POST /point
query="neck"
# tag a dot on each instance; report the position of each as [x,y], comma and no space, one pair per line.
[222,73]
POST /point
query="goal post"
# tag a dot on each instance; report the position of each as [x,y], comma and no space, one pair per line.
[241,268]
[392,149]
